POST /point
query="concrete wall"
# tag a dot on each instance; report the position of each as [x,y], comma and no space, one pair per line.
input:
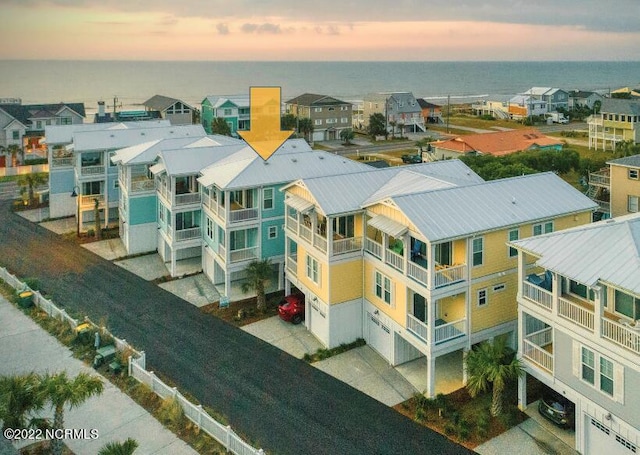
[142,238]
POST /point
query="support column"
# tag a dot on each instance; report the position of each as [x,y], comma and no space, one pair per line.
[227,283]
[465,374]
[431,377]
[522,392]
[598,310]
[173,261]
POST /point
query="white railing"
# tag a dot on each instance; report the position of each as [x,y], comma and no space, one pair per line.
[395,260]
[292,265]
[417,327]
[320,243]
[244,254]
[347,245]
[142,185]
[373,247]
[450,330]
[417,272]
[92,170]
[601,178]
[187,234]
[622,335]
[450,274]
[237,216]
[187,198]
[21,170]
[63,161]
[90,199]
[537,355]
[291,224]
[222,251]
[537,295]
[575,313]
[305,233]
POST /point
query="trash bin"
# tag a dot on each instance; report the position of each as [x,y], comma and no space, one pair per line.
[83,333]
[25,299]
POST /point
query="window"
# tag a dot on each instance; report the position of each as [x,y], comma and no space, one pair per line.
[209,228]
[383,287]
[627,305]
[344,108]
[478,253]
[543,228]
[227,112]
[633,174]
[599,372]
[588,366]
[332,120]
[15,134]
[632,204]
[313,270]
[187,220]
[317,122]
[317,109]
[38,124]
[606,376]
[482,297]
[267,198]
[581,290]
[514,234]
[331,108]
[273,232]
[116,184]
[499,287]
[66,121]
[344,120]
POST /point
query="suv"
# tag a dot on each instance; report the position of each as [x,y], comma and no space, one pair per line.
[557,409]
[412,159]
[291,309]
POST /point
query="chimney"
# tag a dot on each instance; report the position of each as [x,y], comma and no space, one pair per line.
[100,109]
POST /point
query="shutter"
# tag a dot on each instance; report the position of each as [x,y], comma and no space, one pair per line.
[618,383]
[576,359]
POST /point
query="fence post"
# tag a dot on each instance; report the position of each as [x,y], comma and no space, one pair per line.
[199,422]
[153,377]
[63,314]
[142,360]
[227,441]
[129,365]
[175,392]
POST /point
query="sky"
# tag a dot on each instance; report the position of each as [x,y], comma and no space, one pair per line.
[336,30]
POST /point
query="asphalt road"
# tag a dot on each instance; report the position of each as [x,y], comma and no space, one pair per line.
[276,401]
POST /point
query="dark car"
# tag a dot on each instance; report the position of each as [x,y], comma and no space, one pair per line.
[557,409]
[291,309]
[411,158]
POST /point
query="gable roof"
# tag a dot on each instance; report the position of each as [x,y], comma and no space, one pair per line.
[191,160]
[627,161]
[237,100]
[112,139]
[498,143]
[312,99]
[24,113]
[473,209]
[63,134]
[613,248]
[620,106]
[424,104]
[162,103]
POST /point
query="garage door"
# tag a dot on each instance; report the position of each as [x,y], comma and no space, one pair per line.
[378,336]
[600,439]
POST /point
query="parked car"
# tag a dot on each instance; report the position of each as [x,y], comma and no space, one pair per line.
[291,309]
[412,159]
[557,409]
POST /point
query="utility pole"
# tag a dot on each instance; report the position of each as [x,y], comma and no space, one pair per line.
[448,111]
[115,105]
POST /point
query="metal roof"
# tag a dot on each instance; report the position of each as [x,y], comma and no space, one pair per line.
[462,211]
[387,225]
[620,106]
[190,161]
[630,161]
[119,138]
[301,205]
[63,134]
[238,100]
[607,251]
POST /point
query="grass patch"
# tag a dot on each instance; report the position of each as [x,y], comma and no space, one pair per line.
[322,354]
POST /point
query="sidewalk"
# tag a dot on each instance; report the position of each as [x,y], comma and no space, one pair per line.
[25,347]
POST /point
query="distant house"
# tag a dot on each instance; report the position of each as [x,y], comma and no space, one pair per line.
[432,113]
[522,106]
[498,144]
[617,121]
[496,109]
[556,98]
[630,92]
[399,108]
[616,188]
[24,125]
[580,98]
[138,115]
[330,116]
[233,109]
[176,111]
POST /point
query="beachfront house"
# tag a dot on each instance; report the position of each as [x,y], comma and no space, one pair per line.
[400,109]
[414,259]
[176,111]
[523,106]
[616,188]
[432,113]
[579,330]
[554,98]
[329,116]
[233,109]
[582,98]
[617,121]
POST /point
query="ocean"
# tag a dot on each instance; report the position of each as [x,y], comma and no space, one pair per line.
[133,82]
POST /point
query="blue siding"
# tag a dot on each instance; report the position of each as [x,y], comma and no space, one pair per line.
[142,210]
[272,247]
[278,202]
[114,193]
[62,181]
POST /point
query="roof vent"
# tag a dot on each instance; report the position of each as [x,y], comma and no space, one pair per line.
[513,200]
[266,163]
[293,146]
[294,160]
[321,157]
[111,135]
[142,134]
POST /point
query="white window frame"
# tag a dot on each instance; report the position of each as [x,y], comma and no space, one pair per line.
[317,122]
[266,191]
[632,174]
[617,372]
[313,269]
[545,228]
[481,251]
[272,232]
[383,287]
[499,287]
[633,204]
[482,297]
[317,109]
[511,251]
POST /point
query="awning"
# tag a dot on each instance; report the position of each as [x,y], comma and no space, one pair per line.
[157,168]
[387,225]
[298,203]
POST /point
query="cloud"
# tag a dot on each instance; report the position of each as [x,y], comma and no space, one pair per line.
[273,29]
[223,29]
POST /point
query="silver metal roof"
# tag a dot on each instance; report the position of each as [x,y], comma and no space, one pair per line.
[301,205]
[607,251]
[191,160]
[387,225]
[114,139]
[63,134]
[462,211]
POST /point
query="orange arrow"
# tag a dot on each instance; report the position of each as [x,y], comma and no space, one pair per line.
[265,136]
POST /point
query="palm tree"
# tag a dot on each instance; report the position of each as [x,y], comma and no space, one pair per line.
[305,126]
[392,124]
[62,391]
[347,136]
[19,397]
[220,126]
[492,363]
[96,218]
[31,181]
[119,448]
[258,272]
[13,150]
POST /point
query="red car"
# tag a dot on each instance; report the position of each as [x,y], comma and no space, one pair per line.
[291,309]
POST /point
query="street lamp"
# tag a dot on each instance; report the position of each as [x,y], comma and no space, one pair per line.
[74,193]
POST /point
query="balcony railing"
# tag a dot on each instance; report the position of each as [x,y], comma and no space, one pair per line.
[292,265]
[600,178]
[395,260]
[320,243]
[187,198]
[89,199]
[620,334]
[222,251]
[62,161]
[187,234]
[305,232]
[537,295]
[373,247]
[92,170]
[238,216]
[534,349]
[244,254]
[291,224]
[417,272]
[576,313]
[449,274]
[450,331]
[138,186]
[417,327]
[347,245]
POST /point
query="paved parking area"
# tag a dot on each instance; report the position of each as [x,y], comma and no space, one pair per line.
[295,340]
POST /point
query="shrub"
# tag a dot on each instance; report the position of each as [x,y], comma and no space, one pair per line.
[449,429]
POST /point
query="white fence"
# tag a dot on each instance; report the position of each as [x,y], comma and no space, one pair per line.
[136,368]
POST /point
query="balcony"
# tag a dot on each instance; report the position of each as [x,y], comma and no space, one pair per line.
[141,185]
[92,170]
[417,272]
[305,233]
[373,247]
[444,331]
[449,274]
[184,234]
[575,311]
[292,264]
[417,327]
[213,206]
[625,335]
[320,243]
[347,245]
[240,215]
[535,294]
[63,161]
[89,200]
[600,178]
[187,198]
[245,254]
[538,349]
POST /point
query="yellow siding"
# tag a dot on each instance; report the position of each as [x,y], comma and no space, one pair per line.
[452,308]
[501,306]
[459,251]
[321,289]
[621,188]
[300,191]
[398,310]
[358,225]
[393,213]
[346,281]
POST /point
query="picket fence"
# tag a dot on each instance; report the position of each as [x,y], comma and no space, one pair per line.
[137,369]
